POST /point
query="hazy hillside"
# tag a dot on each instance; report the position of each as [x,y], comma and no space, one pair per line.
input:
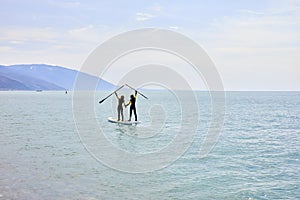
[44,77]
[10,84]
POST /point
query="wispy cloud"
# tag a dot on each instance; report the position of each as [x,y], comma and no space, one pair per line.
[267,29]
[251,12]
[261,44]
[142,16]
[66,4]
[174,27]
[157,8]
[149,13]
[5,49]
[67,47]
[28,34]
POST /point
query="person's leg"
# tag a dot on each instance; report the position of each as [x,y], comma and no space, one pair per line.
[122,115]
[119,112]
[135,115]
[130,114]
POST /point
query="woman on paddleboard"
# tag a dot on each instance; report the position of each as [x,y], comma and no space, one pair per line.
[121,101]
[132,106]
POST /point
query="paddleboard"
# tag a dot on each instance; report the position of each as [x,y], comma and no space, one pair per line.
[112,120]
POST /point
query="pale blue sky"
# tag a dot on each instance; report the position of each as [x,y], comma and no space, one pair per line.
[254,44]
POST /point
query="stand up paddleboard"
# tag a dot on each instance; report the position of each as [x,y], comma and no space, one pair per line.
[112,120]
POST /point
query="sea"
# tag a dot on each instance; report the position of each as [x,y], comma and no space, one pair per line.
[55,145]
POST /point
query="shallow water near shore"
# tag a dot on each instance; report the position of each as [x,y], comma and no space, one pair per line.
[256,157]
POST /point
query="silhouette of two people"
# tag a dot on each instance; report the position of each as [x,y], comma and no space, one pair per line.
[121,102]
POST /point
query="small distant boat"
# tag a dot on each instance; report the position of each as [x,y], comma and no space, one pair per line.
[39,90]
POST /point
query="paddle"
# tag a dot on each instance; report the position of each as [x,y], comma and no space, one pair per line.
[137,91]
[111,94]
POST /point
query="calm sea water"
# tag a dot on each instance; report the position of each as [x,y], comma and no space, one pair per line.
[256,157]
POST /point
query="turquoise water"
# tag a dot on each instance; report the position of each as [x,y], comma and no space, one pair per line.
[256,157]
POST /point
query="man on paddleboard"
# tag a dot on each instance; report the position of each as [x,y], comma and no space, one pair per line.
[132,106]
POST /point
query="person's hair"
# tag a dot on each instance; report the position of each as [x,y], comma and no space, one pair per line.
[131,96]
[122,97]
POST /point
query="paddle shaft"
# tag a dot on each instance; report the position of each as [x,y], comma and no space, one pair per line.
[111,94]
[137,91]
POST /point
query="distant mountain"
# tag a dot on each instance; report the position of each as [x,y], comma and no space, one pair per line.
[11,80]
[45,77]
[10,84]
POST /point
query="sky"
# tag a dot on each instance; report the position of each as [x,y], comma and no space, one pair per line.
[254,44]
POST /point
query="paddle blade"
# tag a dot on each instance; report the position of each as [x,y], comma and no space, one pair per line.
[101,101]
[143,96]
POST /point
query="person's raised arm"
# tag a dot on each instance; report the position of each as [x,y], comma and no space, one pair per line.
[135,93]
[116,95]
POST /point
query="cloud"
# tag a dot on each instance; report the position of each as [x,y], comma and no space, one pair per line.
[253,30]
[5,49]
[257,50]
[66,4]
[143,16]
[174,27]
[48,45]
[30,36]
[24,34]
[86,33]
[251,12]
[156,8]
[140,16]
